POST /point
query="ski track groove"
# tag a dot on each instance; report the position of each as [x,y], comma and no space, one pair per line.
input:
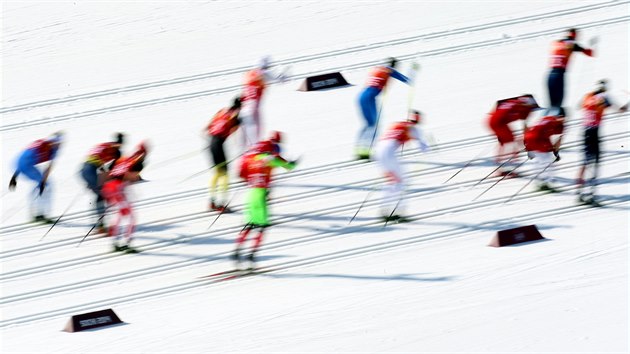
[311,237]
[388,245]
[279,245]
[303,58]
[162,244]
[48,246]
[309,172]
[214,91]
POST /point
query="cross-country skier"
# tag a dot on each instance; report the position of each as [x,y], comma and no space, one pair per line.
[593,106]
[256,81]
[560,54]
[223,124]
[542,142]
[270,146]
[95,170]
[38,152]
[125,171]
[376,82]
[257,170]
[386,155]
[508,111]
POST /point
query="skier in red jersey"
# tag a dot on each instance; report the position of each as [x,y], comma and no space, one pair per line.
[386,155]
[223,124]
[542,142]
[125,171]
[270,146]
[94,172]
[560,54]
[508,111]
[256,81]
[258,168]
[38,152]
[593,106]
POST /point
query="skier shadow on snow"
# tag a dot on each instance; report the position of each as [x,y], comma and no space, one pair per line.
[414,277]
[491,227]
[193,239]
[327,224]
[480,162]
[600,181]
[324,187]
[606,198]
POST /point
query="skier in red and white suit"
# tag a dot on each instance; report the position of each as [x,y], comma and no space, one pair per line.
[386,155]
[506,112]
[542,150]
[256,81]
[125,171]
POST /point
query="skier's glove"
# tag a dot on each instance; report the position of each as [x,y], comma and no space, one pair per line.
[556,153]
[530,155]
[13,183]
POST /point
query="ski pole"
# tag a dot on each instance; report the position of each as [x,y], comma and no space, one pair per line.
[393,211]
[361,206]
[176,158]
[530,181]
[211,167]
[62,214]
[223,210]
[100,218]
[378,118]
[497,168]
[466,165]
[501,179]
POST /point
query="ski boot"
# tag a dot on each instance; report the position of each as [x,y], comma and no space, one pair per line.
[131,250]
[122,248]
[43,219]
[588,199]
[224,209]
[251,258]
[547,188]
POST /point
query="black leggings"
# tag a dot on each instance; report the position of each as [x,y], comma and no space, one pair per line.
[555,85]
[217,154]
[591,145]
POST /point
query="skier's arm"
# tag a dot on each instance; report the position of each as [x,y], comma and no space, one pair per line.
[416,133]
[398,76]
[42,184]
[279,161]
[271,76]
[578,48]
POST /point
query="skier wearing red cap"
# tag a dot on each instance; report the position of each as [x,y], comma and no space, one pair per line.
[386,155]
[542,141]
[270,146]
[257,168]
[38,152]
[508,111]
[125,171]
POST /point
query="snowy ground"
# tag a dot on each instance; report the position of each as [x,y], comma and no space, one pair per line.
[158,71]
